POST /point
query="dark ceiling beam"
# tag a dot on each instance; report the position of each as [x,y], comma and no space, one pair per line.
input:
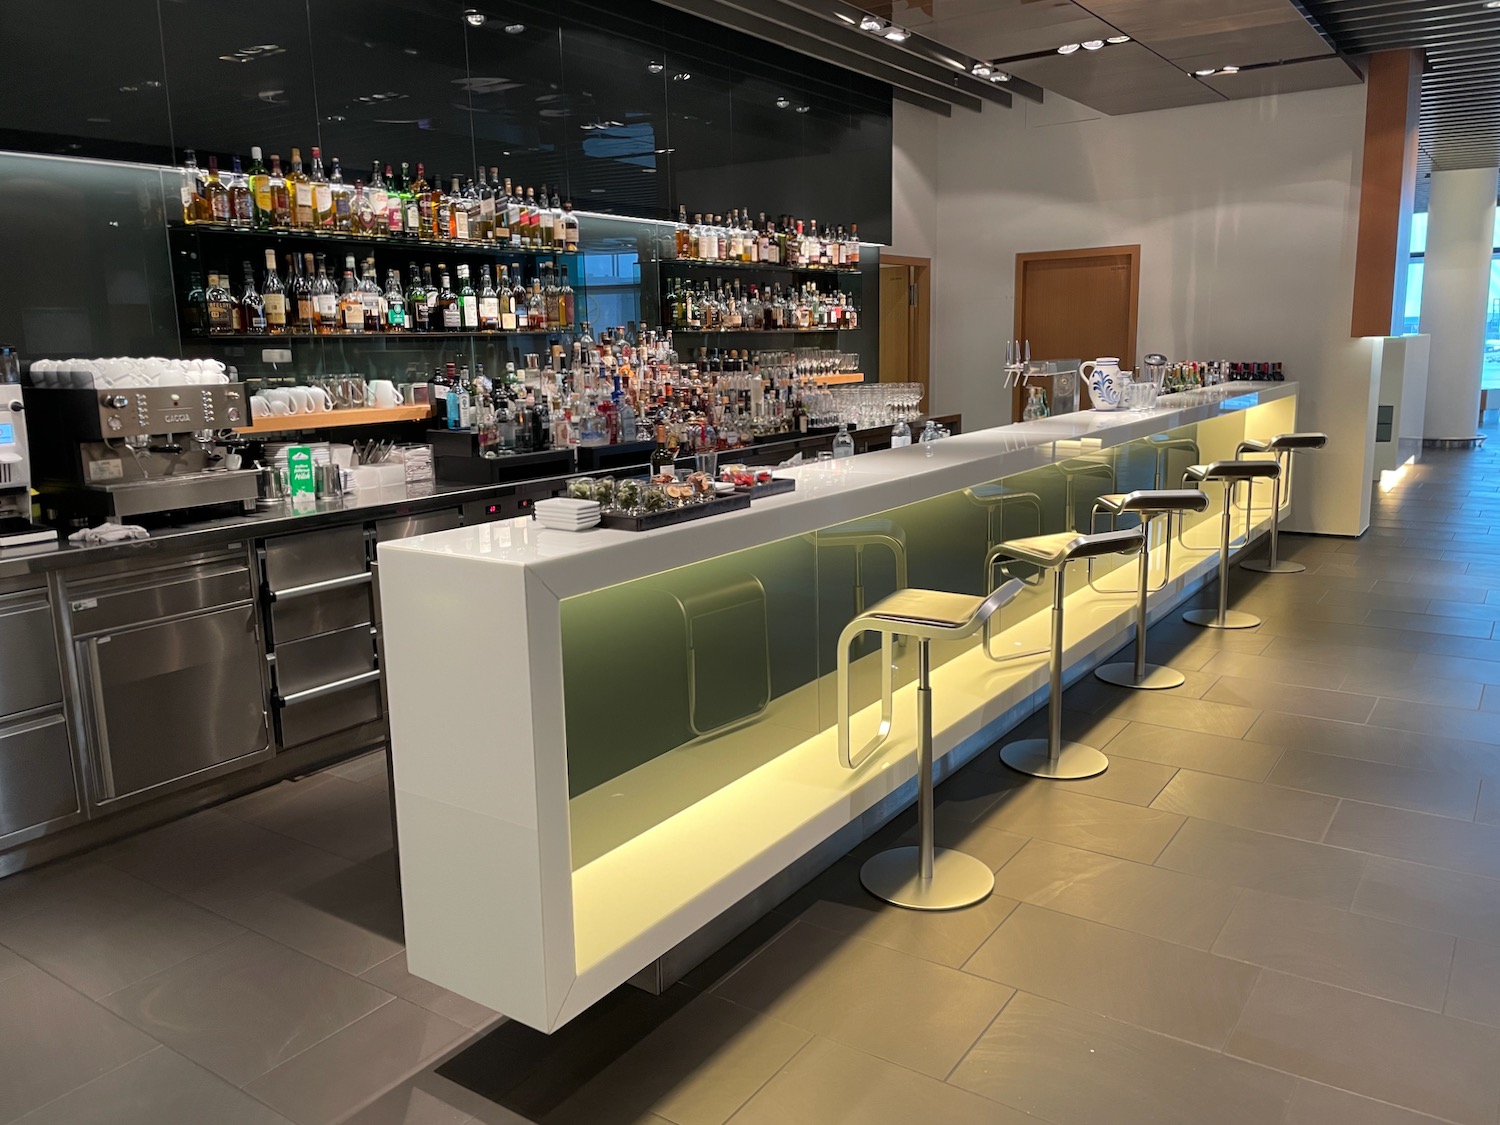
[943,109]
[931,94]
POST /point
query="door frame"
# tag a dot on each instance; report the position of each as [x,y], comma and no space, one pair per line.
[919,324]
[1132,252]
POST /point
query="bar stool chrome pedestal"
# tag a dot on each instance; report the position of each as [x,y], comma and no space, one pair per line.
[1230,474]
[923,877]
[1147,504]
[1051,756]
[1283,446]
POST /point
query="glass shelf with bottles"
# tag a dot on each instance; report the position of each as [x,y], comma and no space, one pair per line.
[735,240]
[731,308]
[676,265]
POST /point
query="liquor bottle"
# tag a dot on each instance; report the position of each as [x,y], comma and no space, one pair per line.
[489,302]
[512,214]
[520,300]
[302,194]
[662,461]
[361,214]
[222,315]
[252,308]
[258,181]
[448,317]
[380,202]
[468,302]
[565,301]
[507,302]
[273,298]
[683,234]
[736,238]
[473,210]
[416,301]
[195,306]
[853,255]
[322,193]
[340,197]
[281,200]
[410,213]
[536,308]
[395,303]
[215,193]
[441,204]
[194,206]
[325,299]
[559,225]
[501,233]
[304,306]
[371,299]
[570,228]
[241,208]
[431,319]
[351,304]
[530,222]
[420,224]
[458,213]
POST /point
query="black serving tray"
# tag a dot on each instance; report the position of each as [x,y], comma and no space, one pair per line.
[773,487]
[649,521]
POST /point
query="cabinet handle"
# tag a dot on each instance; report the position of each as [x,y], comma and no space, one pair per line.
[100,723]
[311,588]
[321,690]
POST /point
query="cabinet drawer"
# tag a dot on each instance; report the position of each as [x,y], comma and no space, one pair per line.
[343,607]
[293,562]
[28,654]
[37,783]
[102,604]
[326,659]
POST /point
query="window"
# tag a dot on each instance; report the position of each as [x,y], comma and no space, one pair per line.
[1414,269]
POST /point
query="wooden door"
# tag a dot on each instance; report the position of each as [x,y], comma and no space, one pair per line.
[906,321]
[1078,304]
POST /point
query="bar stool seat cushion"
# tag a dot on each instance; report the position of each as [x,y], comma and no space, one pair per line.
[1059,547]
[1232,470]
[1154,500]
[934,609]
[1285,443]
[864,531]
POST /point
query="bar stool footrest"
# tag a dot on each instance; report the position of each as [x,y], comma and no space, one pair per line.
[957,879]
[1266,566]
[1210,619]
[1075,760]
[1157,677]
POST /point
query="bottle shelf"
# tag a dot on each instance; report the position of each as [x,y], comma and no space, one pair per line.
[687,265]
[343,240]
[718,333]
[352,337]
[329,419]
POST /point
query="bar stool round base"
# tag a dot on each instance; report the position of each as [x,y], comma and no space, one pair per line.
[1210,619]
[1074,760]
[1266,566]
[1156,678]
[957,879]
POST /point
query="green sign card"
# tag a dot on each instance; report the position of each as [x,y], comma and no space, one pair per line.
[304,487]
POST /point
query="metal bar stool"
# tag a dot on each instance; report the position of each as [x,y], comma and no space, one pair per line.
[1282,446]
[1164,444]
[1051,756]
[1072,470]
[1230,474]
[993,498]
[923,877]
[1148,504]
[859,534]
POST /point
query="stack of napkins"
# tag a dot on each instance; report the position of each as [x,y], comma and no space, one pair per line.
[567,515]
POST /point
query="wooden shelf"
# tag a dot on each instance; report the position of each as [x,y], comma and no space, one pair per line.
[839,377]
[331,419]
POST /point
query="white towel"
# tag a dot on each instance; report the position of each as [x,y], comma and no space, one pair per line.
[108,533]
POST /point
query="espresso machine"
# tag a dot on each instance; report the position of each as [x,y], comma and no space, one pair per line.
[16,528]
[122,452]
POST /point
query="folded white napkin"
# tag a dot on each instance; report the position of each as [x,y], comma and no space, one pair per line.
[108,533]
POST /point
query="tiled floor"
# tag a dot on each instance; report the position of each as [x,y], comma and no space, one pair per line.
[1280,906]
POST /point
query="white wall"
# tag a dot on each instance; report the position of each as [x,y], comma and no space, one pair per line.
[1246,214]
[914,172]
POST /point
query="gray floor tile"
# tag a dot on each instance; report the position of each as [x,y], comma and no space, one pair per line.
[392,976]
[1412,749]
[1488,811]
[1316,1104]
[1401,603]
[1474,986]
[84,887]
[159,1088]
[1305,650]
[99,948]
[903,1009]
[1160,709]
[1448,902]
[1268,669]
[1442,794]
[827,1084]
[837,901]
[1292,699]
[1078,726]
[1324,943]
[1130,780]
[1450,722]
[1117,892]
[1126,976]
[1429,623]
[366,768]
[994,848]
[698,1068]
[339,816]
[1474,611]
[411,1104]
[1413,1058]
[52,1040]
[1490,699]
[355,1065]
[1413,685]
[1437,841]
[1076,1068]
[1228,757]
[1265,808]
[247,1006]
[12,963]
[1094,695]
[1048,810]
[1260,861]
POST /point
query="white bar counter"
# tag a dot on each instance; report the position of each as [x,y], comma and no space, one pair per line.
[536,885]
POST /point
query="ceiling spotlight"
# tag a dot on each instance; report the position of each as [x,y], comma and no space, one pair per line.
[475,18]
[871,23]
[1067,48]
[1229,70]
[846,19]
[655,67]
[514,28]
[681,76]
[804,109]
[1204,73]
[1492,3]
[1118,39]
[782,103]
[1092,44]
[982,70]
[897,34]
[999,76]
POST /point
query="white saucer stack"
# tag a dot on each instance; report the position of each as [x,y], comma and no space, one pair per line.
[564,514]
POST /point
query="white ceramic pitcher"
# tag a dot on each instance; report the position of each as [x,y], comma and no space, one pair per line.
[1104,381]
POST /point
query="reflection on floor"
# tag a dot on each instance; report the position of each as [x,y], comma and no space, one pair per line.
[1281,904]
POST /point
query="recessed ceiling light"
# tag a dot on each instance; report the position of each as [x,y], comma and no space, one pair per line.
[999,76]
[1492,3]
[871,23]
[804,109]
[1067,48]
[514,28]
[897,34]
[655,67]
[1118,39]
[1092,44]
[846,19]
[1229,70]
[1204,73]
[982,70]
[782,103]
[476,19]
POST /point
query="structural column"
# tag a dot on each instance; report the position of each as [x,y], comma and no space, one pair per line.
[1455,298]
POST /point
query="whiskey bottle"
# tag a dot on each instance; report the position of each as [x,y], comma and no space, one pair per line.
[194,308]
[565,301]
[303,307]
[194,206]
[221,306]
[407,214]
[502,209]
[521,299]
[570,229]
[372,299]
[440,207]
[273,298]
[489,302]
[681,246]
[216,193]
[507,302]
[241,209]
[395,303]
[431,319]
[322,193]
[447,312]
[301,191]
[380,202]
[416,301]
[536,308]
[458,215]
[468,301]
[351,303]
[530,222]
[485,195]
[513,214]
[259,184]
[361,213]
[281,200]
[342,200]
[559,224]
[252,308]
[325,299]
[421,200]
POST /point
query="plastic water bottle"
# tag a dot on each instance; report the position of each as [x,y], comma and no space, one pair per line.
[843,443]
[900,434]
[931,433]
